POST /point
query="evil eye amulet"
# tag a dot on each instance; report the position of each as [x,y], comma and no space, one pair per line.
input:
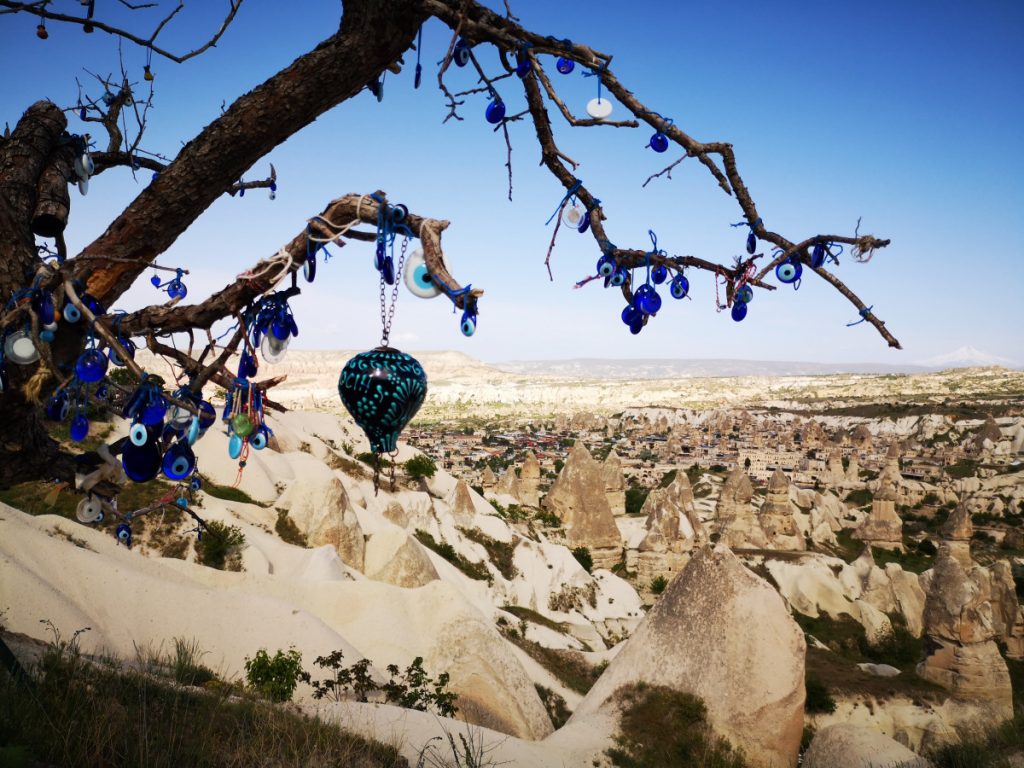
[565,66]
[418,278]
[650,302]
[388,270]
[659,274]
[91,366]
[606,266]
[745,294]
[258,439]
[196,483]
[584,223]
[79,428]
[138,434]
[141,462]
[124,534]
[155,280]
[179,462]
[818,256]
[523,68]
[789,271]
[679,287]
[468,324]
[235,446]
[495,111]
[751,243]
[177,290]
[461,53]
[739,311]
[309,268]
[57,407]
[631,314]
[658,142]
[619,276]
[636,326]
[382,390]
[71,313]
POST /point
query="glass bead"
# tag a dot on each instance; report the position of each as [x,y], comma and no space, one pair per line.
[495,111]
[751,243]
[599,108]
[739,311]
[79,428]
[235,446]
[680,287]
[565,66]
[141,462]
[91,366]
[745,295]
[241,425]
[179,461]
[659,274]
[584,224]
[658,142]
[818,256]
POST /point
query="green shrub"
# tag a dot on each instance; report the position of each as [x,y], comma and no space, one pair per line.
[413,688]
[227,493]
[819,699]
[635,498]
[476,571]
[859,497]
[584,558]
[218,542]
[275,677]
[664,727]
[501,553]
[420,466]
[186,665]
[288,530]
[658,584]
[558,710]
[547,519]
[668,478]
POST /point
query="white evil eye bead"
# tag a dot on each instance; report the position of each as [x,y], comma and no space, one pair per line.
[599,108]
[138,434]
[89,510]
[418,278]
[572,216]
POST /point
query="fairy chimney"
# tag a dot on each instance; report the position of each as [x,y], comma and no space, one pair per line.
[776,516]
[883,526]
[529,480]
[737,522]
[614,483]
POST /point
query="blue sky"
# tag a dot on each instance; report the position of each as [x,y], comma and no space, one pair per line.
[905,114]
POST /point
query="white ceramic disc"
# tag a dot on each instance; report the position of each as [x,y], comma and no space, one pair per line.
[273,348]
[19,348]
[599,109]
[572,216]
[417,276]
[89,510]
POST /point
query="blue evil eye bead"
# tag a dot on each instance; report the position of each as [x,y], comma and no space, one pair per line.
[71,313]
[179,461]
[129,348]
[81,113]
[658,142]
[789,271]
[141,462]
[47,335]
[280,329]
[418,278]
[235,446]
[91,366]
[679,287]
[177,290]
[57,407]
[739,310]
[461,53]
[637,325]
[659,274]
[818,256]
[388,270]
[399,213]
[309,267]
[631,314]
[155,280]
[564,65]
[79,428]
[618,276]
[154,411]
[382,389]
[195,483]
[495,111]
[247,366]
[44,307]
[273,190]
[606,266]
[523,65]
[102,392]
[138,434]
[124,534]
[584,223]
[4,383]
[181,503]
[650,302]
[745,294]
[207,416]
[258,439]
[751,243]
[468,325]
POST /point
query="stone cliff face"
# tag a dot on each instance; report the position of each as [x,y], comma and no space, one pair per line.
[776,516]
[577,497]
[725,635]
[529,481]
[737,522]
[614,483]
[673,529]
[883,526]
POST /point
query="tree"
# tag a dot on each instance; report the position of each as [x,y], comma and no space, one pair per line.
[38,159]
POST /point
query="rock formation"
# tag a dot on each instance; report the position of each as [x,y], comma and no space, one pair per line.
[673,529]
[988,435]
[956,532]
[529,481]
[726,636]
[395,557]
[508,484]
[614,483]
[487,479]
[835,475]
[891,470]
[333,521]
[578,499]
[462,504]
[883,526]
[853,470]
[776,516]
[737,522]
[962,654]
[862,437]
[851,746]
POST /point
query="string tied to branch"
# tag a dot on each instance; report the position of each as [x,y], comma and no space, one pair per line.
[569,194]
[863,316]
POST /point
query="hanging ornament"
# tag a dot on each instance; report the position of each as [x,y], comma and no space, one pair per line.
[89,510]
[179,462]
[19,348]
[174,287]
[659,274]
[818,256]
[739,311]
[79,428]
[461,53]
[124,534]
[523,65]
[41,32]
[91,366]
[141,462]
[606,265]
[495,111]
[744,294]
[618,276]
[418,278]
[789,271]
[584,222]
[599,108]
[679,287]
[658,142]
[564,65]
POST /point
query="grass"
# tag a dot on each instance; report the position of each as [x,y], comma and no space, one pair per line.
[846,637]
[531,615]
[661,726]
[288,530]
[568,666]
[227,493]
[501,553]
[986,750]
[558,710]
[89,715]
[476,571]
[913,560]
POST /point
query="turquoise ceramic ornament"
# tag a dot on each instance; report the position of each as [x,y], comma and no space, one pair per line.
[382,389]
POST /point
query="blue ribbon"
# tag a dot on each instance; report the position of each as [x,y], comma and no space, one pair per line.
[863,316]
[571,191]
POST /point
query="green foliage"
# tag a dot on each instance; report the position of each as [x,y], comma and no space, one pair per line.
[420,466]
[528,614]
[668,478]
[658,584]
[584,558]
[819,699]
[558,465]
[501,553]
[859,497]
[693,473]
[915,559]
[720,469]
[547,519]
[983,750]
[476,571]
[373,459]
[103,713]
[635,498]
[218,543]
[570,667]
[661,727]
[275,677]
[288,530]
[186,665]
[963,468]
[558,710]
[227,493]
[122,376]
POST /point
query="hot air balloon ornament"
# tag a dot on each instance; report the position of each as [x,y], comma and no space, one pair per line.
[383,388]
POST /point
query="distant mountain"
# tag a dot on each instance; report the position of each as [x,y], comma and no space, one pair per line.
[596,368]
[968,357]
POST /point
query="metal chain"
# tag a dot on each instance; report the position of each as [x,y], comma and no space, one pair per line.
[387,311]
